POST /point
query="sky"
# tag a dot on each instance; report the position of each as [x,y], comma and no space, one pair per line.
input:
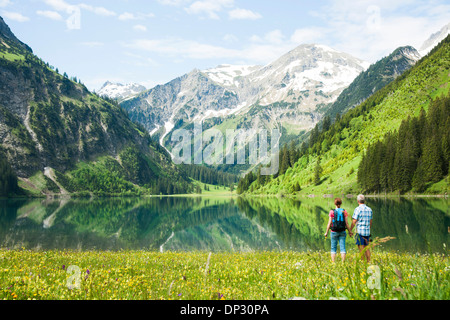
[153,42]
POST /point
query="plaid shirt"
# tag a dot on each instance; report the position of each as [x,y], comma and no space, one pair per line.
[363,214]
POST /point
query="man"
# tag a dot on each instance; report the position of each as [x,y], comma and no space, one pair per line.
[362,218]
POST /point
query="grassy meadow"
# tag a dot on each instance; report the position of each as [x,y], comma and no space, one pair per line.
[137,275]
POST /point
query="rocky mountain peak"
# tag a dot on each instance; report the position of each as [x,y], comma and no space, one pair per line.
[6,33]
[434,40]
[409,52]
[290,90]
[120,91]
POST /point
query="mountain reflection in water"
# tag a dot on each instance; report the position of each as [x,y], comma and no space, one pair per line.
[212,224]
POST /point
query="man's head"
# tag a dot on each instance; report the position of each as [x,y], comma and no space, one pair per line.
[361,199]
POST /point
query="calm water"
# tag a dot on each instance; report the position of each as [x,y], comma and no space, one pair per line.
[212,224]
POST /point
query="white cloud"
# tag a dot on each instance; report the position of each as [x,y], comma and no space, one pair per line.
[101,11]
[275,37]
[92,44]
[209,8]
[74,11]
[265,53]
[365,29]
[59,5]
[127,16]
[63,6]
[53,15]
[255,38]
[188,49]
[175,3]
[372,29]
[139,60]
[308,35]
[140,27]
[230,38]
[243,14]
[272,37]
[15,16]
[4,3]
[183,48]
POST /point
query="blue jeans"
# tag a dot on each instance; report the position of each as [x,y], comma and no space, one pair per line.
[338,237]
[362,240]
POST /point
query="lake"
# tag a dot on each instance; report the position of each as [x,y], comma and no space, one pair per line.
[213,224]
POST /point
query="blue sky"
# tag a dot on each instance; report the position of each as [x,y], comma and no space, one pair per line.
[153,42]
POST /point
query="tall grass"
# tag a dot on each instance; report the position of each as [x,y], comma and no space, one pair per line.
[147,275]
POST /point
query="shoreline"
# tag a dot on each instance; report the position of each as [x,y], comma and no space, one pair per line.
[223,195]
[348,196]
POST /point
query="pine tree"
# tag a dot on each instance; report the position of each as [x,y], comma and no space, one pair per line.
[314,135]
[432,160]
[285,162]
[293,154]
[398,160]
[375,158]
[326,124]
[303,149]
[407,167]
[317,172]
[8,179]
[418,182]
[386,167]
[360,177]
[391,150]
[415,135]
[446,150]
[338,118]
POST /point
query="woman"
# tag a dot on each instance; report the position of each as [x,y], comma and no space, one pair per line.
[338,224]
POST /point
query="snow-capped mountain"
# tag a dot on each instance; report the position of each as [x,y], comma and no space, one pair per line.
[409,53]
[230,75]
[184,98]
[120,91]
[286,92]
[306,75]
[434,40]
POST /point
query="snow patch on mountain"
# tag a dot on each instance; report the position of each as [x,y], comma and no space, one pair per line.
[292,88]
[228,75]
[154,130]
[434,40]
[308,70]
[120,91]
[220,113]
[412,55]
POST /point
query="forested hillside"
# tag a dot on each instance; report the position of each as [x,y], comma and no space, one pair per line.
[8,179]
[57,137]
[413,157]
[329,162]
[373,79]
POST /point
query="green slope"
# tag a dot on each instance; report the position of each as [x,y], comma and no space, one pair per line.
[341,146]
[48,120]
[373,79]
